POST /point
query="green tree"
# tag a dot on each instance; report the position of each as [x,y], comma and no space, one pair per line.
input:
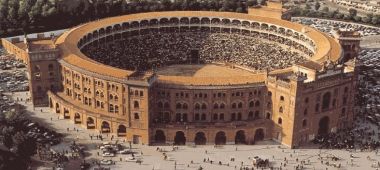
[325,9]
[24,146]
[352,12]
[317,6]
[251,3]
[366,19]
[375,20]
[307,6]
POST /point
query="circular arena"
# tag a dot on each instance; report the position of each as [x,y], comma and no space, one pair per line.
[193,77]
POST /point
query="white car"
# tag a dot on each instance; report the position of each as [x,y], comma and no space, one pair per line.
[125,151]
[130,158]
[108,154]
[106,162]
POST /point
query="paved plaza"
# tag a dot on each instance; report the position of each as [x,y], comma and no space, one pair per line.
[208,157]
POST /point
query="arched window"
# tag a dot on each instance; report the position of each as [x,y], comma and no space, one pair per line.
[240,105]
[251,104]
[326,101]
[204,106]
[116,98]
[166,105]
[305,112]
[257,115]
[185,106]
[279,121]
[184,117]
[282,98]
[269,93]
[136,116]
[233,116]
[222,105]
[221,116]
[250,115]
[136,104]
[215,117]
[160,105]
[197,106]
[116,109]
[267,116]
[343,114]
[239,116]
[304,123]
[111,108]
[281,110]
[203,117]
[196,117]
[111,97]
[216,106]
[257,103]
[178,106]
[306,100]
[233,105]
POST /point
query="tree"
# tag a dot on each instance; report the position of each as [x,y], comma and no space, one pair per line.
[263,2]
[375,20]
[357,18]
[352,12]
[325,9]
[24,146]
[252,3]
[307,6]
[317,6]
[366,19]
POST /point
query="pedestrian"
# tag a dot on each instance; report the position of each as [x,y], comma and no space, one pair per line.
[68,129]
[51,119]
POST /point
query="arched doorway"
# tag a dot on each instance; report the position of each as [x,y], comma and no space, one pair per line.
[105,128]
[121,130]
[66,113]
[160,137]
[77,119]
[90,123]
[220,138]
[179,138]
[324,126]
[57,109]
[259,135]
[200,138]
[240,137]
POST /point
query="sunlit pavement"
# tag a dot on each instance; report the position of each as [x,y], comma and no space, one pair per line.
[189,157]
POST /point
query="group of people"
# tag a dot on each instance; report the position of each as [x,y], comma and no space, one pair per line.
[154,50]
[362,138]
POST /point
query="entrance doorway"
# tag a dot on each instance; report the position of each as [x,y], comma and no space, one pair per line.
[240,137]
[220,138]
[259,135]
[324,126]
[200,138]
[179,138]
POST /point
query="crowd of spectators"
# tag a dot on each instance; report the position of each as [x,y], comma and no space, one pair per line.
[143,52]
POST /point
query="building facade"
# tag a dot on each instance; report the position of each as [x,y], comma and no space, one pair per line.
[291,105]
